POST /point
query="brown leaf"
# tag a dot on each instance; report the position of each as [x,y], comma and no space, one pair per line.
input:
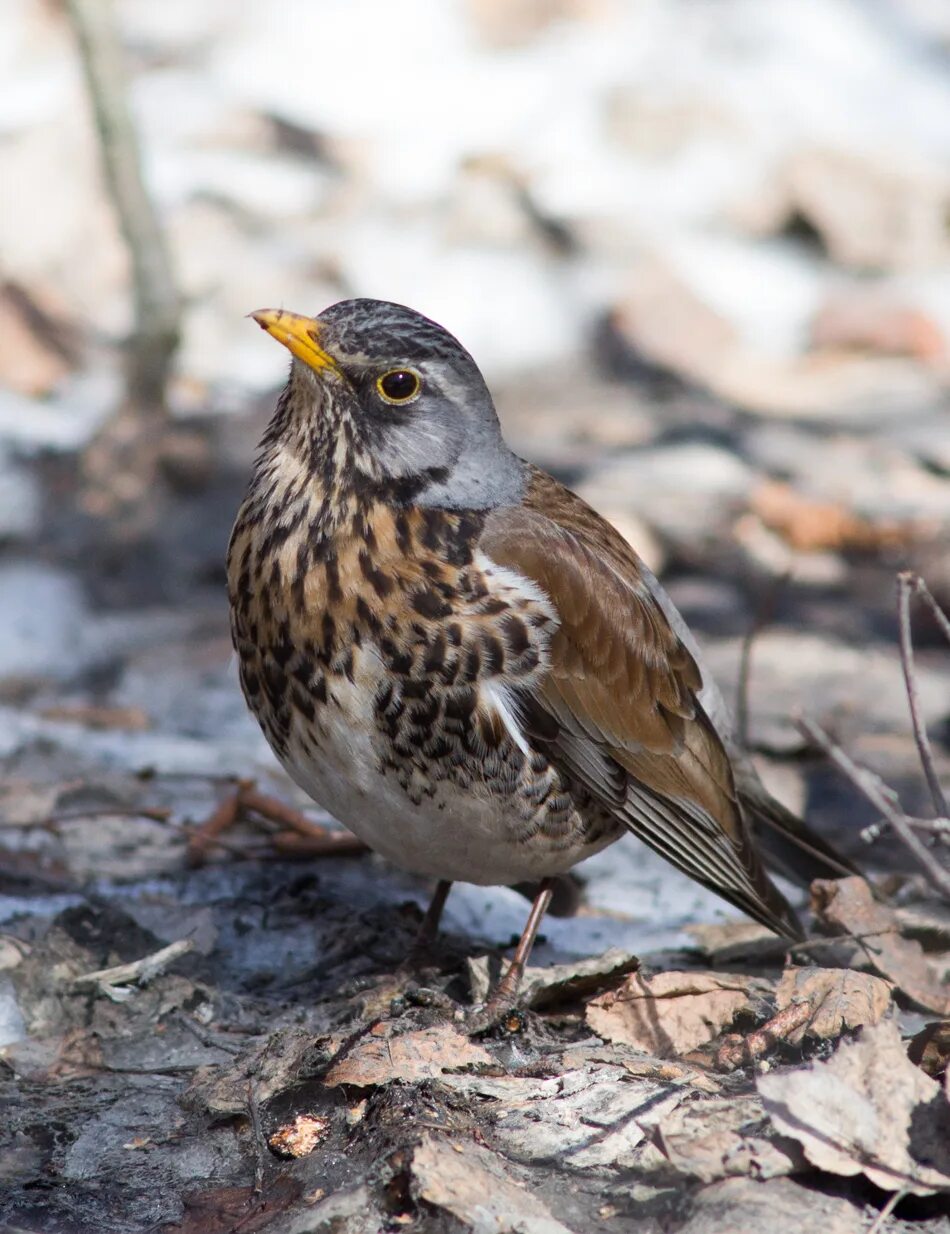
[711,1140]
[235,1210]
[672,1013]
[300,1137]
[274,1064]
[128,719]
[839,999]
[556,983]
[867,1110]
[810,525]
[472,1184]
[846,905]
[37,350]
[930,1049]
[422,1054]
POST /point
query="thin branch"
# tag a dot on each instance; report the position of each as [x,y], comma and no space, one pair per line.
[114,982]
[941,618]
[254,1109]
[762,618]
[906,584]
[881,1218]
[157,304]
[884,799]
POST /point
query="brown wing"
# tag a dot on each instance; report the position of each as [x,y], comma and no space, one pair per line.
[618,707]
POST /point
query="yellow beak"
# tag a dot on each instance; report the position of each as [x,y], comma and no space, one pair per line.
[300,335]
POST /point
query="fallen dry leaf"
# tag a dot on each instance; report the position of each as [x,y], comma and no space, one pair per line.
[838,998]
[712,1139]
[128,719]
[477,1189]
[812,526]
[867,1110]
[423,1054]
[37,348]
[724,942]
[226,1210]
[846,905]
[930,1049]
[556,983]
[672,1013]
[299,1138]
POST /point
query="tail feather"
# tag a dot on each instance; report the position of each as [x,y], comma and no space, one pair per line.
[789,845]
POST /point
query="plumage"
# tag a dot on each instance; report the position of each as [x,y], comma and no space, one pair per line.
[456,655]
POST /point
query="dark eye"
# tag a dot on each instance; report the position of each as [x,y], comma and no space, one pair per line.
[398,386]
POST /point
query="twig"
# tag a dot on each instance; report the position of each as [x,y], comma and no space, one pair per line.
[886,1211]
[254,1110]
[157,305]
[908,583]
[761,619]
[737,1050]
[884,799]
[109,981]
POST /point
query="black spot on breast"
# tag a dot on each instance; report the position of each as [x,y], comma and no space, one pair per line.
[472,665]
[428,603]
[493,654]
[397,659]
[516,634]
[381,583]
[460,705]
[304,705]
[403,534]
[366,615]
[435,655]
[334,591]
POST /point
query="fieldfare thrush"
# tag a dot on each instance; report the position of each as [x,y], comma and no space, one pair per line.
[461,660]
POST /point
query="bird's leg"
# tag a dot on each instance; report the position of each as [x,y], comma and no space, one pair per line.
[504,992]
[429,929]
[299,834]
[420,950]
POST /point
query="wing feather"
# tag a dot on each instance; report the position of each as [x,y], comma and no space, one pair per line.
[618,706]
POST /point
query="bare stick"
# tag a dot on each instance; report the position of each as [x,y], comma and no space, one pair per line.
[941,618]
[114,982]
[906,584]
[881,1219]
[254,1109]
[883,799]
[157,306]
[762,618]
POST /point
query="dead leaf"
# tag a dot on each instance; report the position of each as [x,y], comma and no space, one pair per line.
[37,348]
[724,942]
[711,1139]
[226,1210]
[930,1049]
[839,999]
[472,1184]
[557,983]
[813,526]
[672,1013]
[867,1110]
[128,719]
[846,905]
[423,1054]
[283,1059]
[300,1137]
[742,1205]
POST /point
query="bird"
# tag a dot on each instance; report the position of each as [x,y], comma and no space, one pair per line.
[462,661]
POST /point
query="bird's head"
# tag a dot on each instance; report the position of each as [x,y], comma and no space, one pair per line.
[382,394]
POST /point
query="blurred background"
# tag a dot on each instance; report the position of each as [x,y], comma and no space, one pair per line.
[699,247]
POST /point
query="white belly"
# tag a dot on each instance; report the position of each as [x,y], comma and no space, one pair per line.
[465,836]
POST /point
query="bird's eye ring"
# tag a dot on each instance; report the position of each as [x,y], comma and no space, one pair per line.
[399,385]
